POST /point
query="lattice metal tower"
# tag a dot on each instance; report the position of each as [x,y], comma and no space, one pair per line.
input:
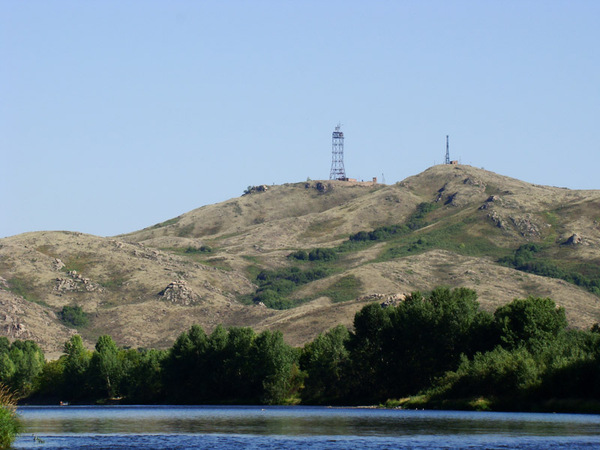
[337,155]
[447,151]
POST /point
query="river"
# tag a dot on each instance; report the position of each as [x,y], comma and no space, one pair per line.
[275,427]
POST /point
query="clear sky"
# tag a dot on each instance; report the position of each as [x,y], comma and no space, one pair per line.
[116,115]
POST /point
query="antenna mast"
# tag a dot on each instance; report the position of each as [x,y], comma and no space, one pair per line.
[337,155]
[447,151]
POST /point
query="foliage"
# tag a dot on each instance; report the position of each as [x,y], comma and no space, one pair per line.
[325,362]
[233,365]
[73,316]
[415,342]
[276,285]
[437,347]
[317,254]
[9,422]
[105,368]
[529,258]
[76,364]
[414,222]
[20,363]
[201,249]
[531,323]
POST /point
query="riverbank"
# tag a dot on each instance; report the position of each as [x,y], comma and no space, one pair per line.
[553,405]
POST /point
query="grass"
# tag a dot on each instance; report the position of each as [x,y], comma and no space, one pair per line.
[46,250]
[321,227]
[23,286]
[186,231]
[251,259]
[455,237]
[80,262]
[9,421]
[415,236]
[166,223]
[200,255]
[342,290]
[114,281]
[538,259]
[220,263]
[433,226]
[566,405]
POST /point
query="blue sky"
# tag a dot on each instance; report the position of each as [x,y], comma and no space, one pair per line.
[116,115]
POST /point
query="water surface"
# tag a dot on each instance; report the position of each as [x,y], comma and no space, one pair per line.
[181,427]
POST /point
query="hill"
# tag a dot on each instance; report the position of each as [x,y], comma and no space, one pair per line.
[351,243]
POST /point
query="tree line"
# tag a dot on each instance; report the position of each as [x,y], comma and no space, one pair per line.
[441,346]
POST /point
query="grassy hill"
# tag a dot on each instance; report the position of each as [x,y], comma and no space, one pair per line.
[316,250]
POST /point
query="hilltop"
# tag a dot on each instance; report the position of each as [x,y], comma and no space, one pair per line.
[452,225]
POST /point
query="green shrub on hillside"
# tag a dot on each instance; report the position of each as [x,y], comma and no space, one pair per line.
[73,316]
[529,258]
[276,285]
[201,249]
[316,254]
[414,222]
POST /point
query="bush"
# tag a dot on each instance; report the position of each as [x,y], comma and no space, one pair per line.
[300,255]
[322,254]
[73,316]
[500,372]
[415,221]
[9,422]
[527,258]
[201,249]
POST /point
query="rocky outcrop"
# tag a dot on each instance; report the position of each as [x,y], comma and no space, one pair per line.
[57,264]
[180,293]
[320,187]
[492,199]
[574,239]
[76,283]
[256,189]
[498,221]
[10,323]
[388,299]
[526,226]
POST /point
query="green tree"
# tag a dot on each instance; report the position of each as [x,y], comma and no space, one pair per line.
[237,362]
[325,361]
[28,359]
[50,381]
[498,373]
[274,363]
[184,365]
[368,371]
[7,368]
[77,362]
[106,368]
[4,344]
[415,342]
[532,322]
[142,381]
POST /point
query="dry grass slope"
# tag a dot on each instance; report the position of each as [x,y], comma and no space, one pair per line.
[144,288]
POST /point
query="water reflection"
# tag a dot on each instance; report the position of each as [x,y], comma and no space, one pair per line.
[298,421]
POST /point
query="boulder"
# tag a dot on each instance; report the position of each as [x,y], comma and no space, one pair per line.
[180,293]
[574,239]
